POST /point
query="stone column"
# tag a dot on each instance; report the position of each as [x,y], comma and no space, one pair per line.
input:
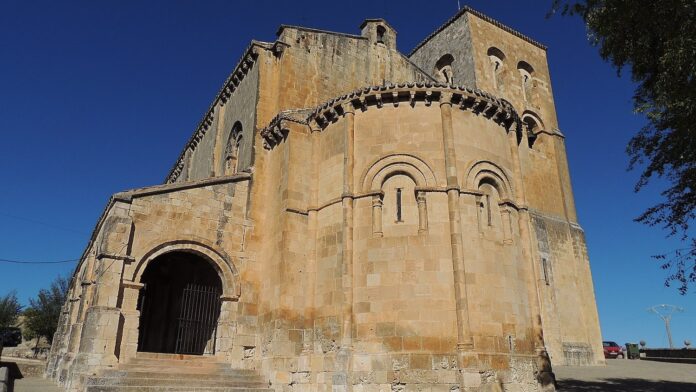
[308,336]
[344,355]
[347,251]
[422,212]
[465,342]
[544,374]
[102,319]
[506,218]
[225,347]
[103,323]
[131,320]
[60,341]
[377,215]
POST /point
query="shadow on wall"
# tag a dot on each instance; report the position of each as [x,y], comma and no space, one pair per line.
[624,385]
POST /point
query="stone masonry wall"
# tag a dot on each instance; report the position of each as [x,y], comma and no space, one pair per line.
[394,239]
[455,39]
[206,160]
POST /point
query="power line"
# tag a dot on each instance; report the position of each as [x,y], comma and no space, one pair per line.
[45,224]
[37,262]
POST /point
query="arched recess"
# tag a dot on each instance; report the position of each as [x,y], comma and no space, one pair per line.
[400,179]
[482,170]
[219,260]
[493,200]
[416,168]
[534,126]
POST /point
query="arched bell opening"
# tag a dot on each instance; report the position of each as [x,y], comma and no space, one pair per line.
[179,305]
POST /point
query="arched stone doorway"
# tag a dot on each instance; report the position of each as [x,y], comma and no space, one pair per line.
[179,305]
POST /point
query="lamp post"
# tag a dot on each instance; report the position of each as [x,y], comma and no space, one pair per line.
[665,312]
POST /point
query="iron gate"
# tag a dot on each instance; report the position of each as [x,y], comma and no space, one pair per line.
[200,309]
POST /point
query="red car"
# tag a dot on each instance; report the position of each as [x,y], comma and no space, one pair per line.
[612,350]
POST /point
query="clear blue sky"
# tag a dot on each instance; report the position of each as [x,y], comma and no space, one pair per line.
[99,97]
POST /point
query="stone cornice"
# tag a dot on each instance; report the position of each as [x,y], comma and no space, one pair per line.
[467,9]
[560,219]
[495,109]
[274,132]
[553,132]
[128,196]
[228,88]
[311,30]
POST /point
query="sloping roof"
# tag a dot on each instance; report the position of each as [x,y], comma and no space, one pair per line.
[485,17]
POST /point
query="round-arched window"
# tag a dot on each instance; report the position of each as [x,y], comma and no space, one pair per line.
[526,73]
[497,58]
[443,69]
[231,155]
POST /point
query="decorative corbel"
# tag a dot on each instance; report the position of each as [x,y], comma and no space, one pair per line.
[428,98]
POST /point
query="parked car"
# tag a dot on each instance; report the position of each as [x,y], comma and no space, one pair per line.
[612,350]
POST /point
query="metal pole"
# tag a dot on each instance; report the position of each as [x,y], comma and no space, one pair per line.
[665,312]
[669,333]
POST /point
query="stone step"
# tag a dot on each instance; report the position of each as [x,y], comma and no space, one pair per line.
[177,357]
[169,372]
[142,388]
[230,374]
[170,362]
[176,367]
[175,382]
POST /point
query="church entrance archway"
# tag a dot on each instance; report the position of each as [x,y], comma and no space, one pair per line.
[179,305]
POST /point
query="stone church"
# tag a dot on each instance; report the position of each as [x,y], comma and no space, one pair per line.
[346,217]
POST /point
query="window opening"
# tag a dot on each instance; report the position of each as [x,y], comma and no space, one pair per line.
[532,130]
[443,69]
[497,57]
[231,154]
[380,34]
[398,205]
[488,210]
[526,71]
[545,268]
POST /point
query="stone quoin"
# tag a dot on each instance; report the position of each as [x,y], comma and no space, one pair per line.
[348,218]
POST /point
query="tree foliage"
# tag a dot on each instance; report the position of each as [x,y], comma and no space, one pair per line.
[10,309]
[41,317]
[656,41]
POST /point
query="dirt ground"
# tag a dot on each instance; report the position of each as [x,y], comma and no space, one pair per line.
[628,375]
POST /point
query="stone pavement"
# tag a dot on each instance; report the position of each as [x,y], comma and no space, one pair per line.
[36,384]
[624,375]
[619,376]
[31,371]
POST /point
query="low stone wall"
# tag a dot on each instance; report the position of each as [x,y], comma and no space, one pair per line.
[683,355]
[6,381]
[577,354]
